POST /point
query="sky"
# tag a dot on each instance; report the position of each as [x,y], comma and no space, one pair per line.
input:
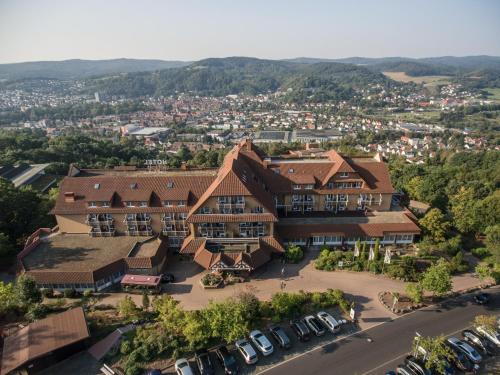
[191,30]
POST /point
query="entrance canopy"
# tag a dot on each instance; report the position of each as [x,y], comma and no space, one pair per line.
[144,280]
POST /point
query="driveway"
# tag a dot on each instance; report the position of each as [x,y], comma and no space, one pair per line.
[361,287]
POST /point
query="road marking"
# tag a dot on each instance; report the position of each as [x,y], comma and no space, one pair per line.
[460,296]
[406,353]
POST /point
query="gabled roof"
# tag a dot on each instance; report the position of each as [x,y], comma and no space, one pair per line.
[340,165]
[235,177]
[42,337]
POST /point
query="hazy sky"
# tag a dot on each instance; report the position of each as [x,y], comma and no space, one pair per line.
[190,29]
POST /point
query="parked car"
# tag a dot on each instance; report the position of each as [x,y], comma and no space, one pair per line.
[182,367]
[300,329]
[468,350]
[167,278]
[478,342]
[329,321]
[227,360]
[154,372]
[261,342]
[416,366]
[492,336]
[460,360]
[281,338]
[247,351]
[204,362]
[314,324]
[404,370]
[482,298]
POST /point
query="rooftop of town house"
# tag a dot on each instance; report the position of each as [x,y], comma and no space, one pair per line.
[79,252]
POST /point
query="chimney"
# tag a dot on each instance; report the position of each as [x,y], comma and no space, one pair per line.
[248,144]
[69,197]
[266,162]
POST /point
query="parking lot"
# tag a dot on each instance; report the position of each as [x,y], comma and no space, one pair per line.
[279,355]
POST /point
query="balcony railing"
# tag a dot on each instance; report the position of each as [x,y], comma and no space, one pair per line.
[148,232]
[174,233]
[95,232]
[137,220]
[99,220]
[230,205]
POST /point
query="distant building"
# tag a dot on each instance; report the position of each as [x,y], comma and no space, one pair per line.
[271,136]
[315,135]
[23,175]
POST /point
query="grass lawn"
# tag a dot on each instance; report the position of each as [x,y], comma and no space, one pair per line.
[495,93]
[426,80]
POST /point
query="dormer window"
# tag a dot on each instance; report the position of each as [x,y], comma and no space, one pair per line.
[309,187]
[170,184]
[92,204]
[291,170]
[105,204]
[97,186]
[143,204]
[296,187]
[344,174]
[181,203]
[167,203]
[134,185]
[129,204]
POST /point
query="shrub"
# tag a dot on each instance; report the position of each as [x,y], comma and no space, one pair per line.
[481,252]
[294,254]
[211,279]
[69,293]
[47,292]
[415,292]
[88,293]
[374,267]
[36,311]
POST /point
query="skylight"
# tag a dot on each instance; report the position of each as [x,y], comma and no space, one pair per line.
[170,184]
[97,186]
[134,185]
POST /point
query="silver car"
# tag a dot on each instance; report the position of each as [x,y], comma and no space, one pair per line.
[468,350]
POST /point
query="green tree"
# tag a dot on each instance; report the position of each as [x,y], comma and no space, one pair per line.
[437,278]
[294,254]
[463,210]
[8,300]
[170,313]
[415,292]
[27,291]
[492,242]
[145,301]
[435,225]
[437,354]
[6,246]
[127,308]
[489,322]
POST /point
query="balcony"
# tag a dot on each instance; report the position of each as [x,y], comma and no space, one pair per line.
[99,219]
[138,219]
[174,233]
[139,232]
[172,220]
[100,232]
[231,203]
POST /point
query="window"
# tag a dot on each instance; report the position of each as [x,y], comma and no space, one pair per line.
[296,187]
[167,203]
[181,203]
[358,185]
[205,210]
[309,187]
[170,184]
[330,185]
[92,204]
[182,216]
[143,204]
[258,210]
[290,170]
[344,174]
[105,204]
[134,185]
[129,204]
[97,186]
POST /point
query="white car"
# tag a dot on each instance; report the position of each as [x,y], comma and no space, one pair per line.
[247,351]
[261,342]
[329,321]
[468,350]
[182,367]
[492,336]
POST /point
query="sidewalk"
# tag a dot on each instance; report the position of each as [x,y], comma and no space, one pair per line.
[361,287]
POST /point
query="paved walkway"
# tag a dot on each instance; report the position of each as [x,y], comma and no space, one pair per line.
[362,287]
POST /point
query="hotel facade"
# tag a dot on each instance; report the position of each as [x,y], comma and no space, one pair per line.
[237,217]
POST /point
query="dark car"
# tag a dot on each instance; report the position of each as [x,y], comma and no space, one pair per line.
[459,359]
[478,342]
[482,298]
[204,362]
[154,372]
[404,370]
[416,366]
[279,335]
[167,278]
[227,360]
[300,329]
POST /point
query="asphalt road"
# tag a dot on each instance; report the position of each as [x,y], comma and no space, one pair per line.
[391,341]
